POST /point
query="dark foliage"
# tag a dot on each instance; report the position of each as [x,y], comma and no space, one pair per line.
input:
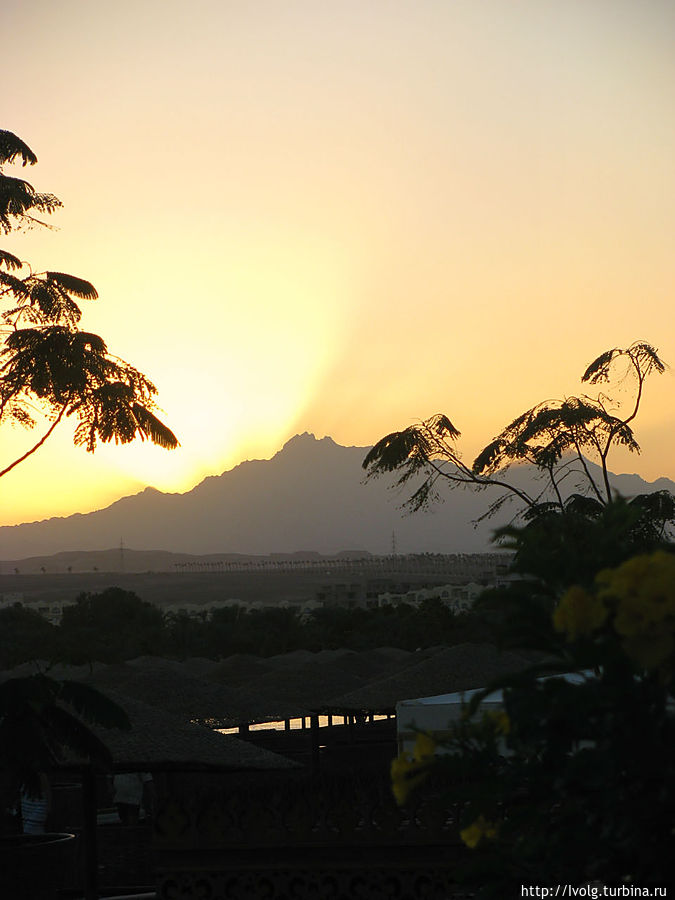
[49,369]
[117,625]
[111,626]
[557,437]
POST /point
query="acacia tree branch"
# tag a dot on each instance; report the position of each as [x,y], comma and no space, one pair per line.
[555,486]
[39,443]
[591,433]
[472,478]
[621,423]
[590,478]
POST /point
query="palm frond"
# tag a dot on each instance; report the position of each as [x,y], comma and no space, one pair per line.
[72,738]
[93,706]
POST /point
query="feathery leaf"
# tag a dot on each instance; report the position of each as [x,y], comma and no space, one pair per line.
[9,260]
[12,146]
[73,285]
[151,427]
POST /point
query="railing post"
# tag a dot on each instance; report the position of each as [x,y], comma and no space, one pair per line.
[89,835]
[314,725]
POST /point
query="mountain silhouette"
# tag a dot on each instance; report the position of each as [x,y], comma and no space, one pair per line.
[309,496]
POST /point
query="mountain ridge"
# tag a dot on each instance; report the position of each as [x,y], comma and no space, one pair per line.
[310,494]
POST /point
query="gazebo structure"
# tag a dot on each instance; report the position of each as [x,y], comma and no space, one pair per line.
[246,820]
[160,742]
[175,691]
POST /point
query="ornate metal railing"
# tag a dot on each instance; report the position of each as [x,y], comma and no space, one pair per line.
[323,837]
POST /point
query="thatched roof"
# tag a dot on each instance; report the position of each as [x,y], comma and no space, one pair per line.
[365,665]
[195,666]
[390,654]
[238,670]
[307,684]
[324,656]
[292,658]
[245,689]
[199,666]
[162,741]
[188,697]
[458,668]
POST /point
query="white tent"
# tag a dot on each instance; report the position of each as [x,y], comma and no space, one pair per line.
[435,714]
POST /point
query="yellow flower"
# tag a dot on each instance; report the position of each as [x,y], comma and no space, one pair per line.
[642,593]
[579,613]
[471,835]
[425,746]
[474,833]
[407,773]
[498,719]
[634,616]
[502,722]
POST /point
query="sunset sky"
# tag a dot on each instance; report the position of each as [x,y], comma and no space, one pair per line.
[340,217]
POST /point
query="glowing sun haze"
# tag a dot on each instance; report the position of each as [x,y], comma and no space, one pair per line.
[341,217]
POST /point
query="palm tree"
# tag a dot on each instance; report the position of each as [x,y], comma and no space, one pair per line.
[41,723]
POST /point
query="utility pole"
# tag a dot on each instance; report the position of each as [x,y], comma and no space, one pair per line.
[393,543]
[121,555]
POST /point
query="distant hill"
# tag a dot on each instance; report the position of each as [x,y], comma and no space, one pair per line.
[310,496]
[124,560]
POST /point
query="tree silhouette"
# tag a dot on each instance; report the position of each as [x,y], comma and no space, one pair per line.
[50,369]
[559,535]
[557,437]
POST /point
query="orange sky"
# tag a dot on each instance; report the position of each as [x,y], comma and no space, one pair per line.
[343,217]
